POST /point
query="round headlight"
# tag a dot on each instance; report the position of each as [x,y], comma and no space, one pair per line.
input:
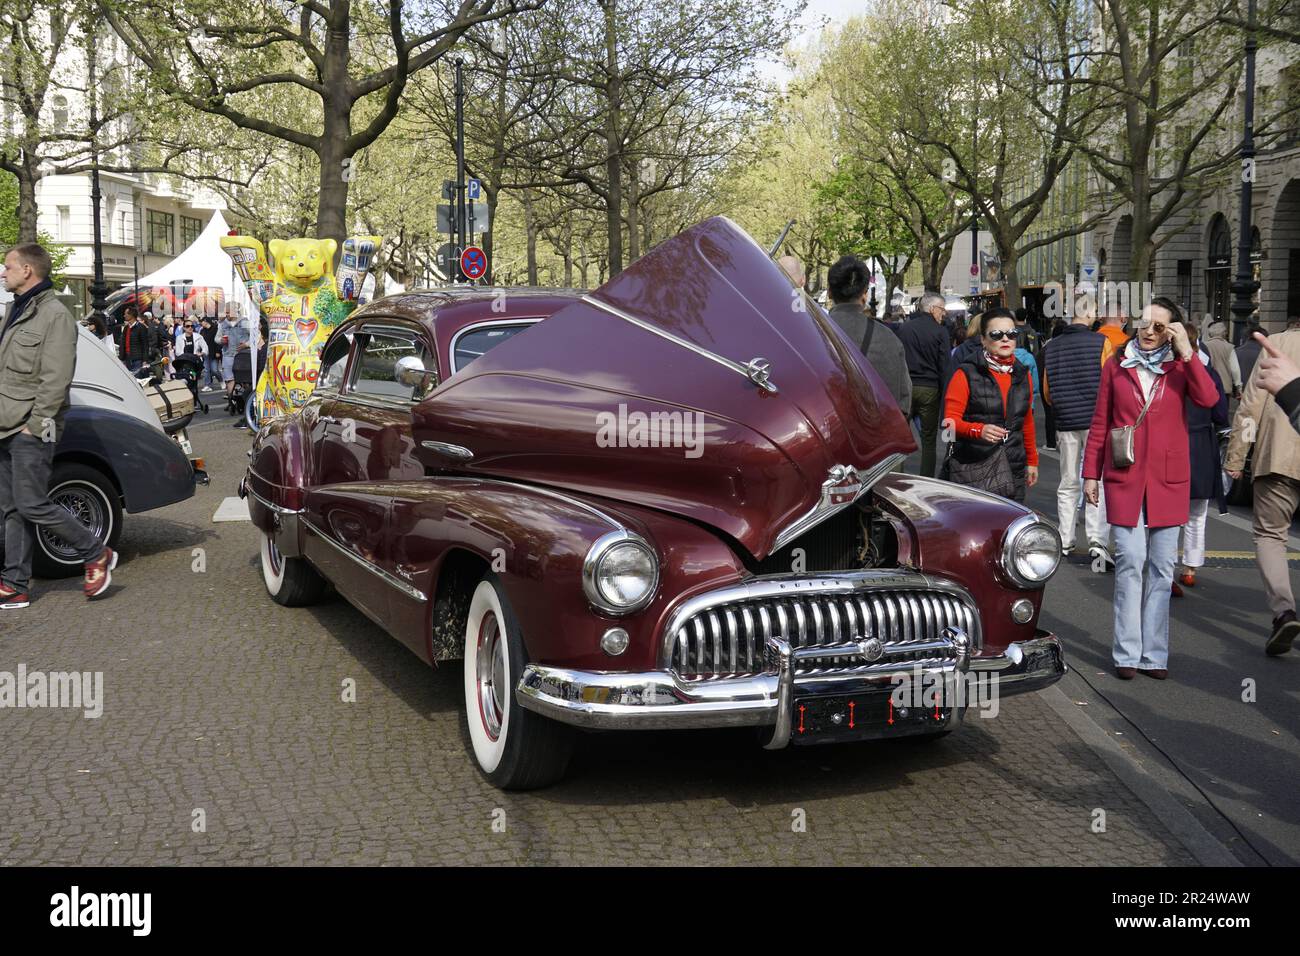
[620,573]
[1032,551]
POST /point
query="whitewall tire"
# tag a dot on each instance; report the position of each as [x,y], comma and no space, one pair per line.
[291,582]
[514,748]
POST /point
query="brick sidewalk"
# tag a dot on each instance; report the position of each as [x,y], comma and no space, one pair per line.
[215,699]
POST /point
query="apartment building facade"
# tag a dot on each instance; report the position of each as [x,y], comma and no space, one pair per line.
[1198,260]
[145,219]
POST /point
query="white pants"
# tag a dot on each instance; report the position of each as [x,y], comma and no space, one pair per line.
[1194,534]
[1070,446]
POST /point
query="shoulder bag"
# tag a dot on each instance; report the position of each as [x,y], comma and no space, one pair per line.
[1122,451]
[992,474]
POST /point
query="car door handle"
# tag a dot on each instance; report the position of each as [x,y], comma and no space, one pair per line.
[451,451]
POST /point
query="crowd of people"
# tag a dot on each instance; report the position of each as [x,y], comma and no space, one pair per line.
[144,339]
[1133,407]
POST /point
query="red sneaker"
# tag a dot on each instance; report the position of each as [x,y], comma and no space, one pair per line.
[1188,578]
[12,599]
[99,573]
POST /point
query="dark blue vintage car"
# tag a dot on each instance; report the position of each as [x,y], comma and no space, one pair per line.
[114,457]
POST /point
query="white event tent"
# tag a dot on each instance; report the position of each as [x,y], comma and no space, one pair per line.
[205,265]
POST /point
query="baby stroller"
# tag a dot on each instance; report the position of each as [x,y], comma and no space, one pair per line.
[241,396]
[189,369]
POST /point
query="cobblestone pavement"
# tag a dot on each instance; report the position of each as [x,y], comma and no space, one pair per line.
[217,700]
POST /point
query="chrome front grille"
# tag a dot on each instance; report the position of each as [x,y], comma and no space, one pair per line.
[728,637]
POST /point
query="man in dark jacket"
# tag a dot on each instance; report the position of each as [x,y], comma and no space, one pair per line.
[928,346]
[38,352]
[1248,351]
[1072,363]
[848,282]
[136,341]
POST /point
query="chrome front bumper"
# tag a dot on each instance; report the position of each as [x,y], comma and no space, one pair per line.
[658,700]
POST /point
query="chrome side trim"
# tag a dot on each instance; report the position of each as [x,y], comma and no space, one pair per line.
[825,508]
[747,371]
[374,401]
[458,452]
[374,569]
[274,507]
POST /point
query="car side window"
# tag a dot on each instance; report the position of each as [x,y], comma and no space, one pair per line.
[334,362]
[475,342]
[377,372]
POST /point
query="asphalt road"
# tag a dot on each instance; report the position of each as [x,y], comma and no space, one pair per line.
[1234,764]
[225,738]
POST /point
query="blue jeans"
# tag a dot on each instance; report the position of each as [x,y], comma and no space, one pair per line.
[25,507]
[1142,609]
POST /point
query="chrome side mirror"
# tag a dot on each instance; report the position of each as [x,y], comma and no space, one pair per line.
[410,371]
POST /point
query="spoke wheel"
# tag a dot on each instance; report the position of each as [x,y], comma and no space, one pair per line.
[90,498]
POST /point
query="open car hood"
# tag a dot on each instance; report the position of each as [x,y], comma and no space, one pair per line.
[651,390]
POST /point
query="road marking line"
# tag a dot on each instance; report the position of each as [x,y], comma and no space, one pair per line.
[232,509]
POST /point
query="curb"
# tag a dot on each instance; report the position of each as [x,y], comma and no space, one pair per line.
[1203,845]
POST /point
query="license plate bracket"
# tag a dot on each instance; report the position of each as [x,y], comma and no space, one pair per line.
[826,718]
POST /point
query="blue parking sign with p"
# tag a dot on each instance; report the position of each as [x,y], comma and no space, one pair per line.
[475,189]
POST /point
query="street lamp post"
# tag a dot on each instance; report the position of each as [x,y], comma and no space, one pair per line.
[1245,285]
[98,287]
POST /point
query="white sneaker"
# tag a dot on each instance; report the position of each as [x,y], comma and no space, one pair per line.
[1103,562]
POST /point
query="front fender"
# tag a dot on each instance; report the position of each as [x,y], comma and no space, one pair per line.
[957,532]
[147,466]
[536,540]
[278,473]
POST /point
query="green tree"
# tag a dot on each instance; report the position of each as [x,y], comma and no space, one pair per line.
[344,64]
[10,228]
[1168,75]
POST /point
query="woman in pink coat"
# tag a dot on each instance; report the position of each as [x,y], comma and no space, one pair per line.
[1147,501]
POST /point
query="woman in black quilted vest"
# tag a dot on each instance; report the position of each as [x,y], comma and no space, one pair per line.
[988,412]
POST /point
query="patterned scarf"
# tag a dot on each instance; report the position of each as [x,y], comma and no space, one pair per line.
[1151,360]
[997,366]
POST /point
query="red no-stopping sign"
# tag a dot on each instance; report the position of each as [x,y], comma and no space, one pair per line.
[473,262]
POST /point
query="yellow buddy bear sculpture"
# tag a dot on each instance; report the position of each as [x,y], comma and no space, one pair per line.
[303,300]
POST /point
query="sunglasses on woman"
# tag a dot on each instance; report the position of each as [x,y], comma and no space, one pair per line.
[997,335]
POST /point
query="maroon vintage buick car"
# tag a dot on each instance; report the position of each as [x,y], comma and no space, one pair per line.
[669,503]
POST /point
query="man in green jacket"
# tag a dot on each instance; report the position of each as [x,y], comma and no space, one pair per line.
[38,351]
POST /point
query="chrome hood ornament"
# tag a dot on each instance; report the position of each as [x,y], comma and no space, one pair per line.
[844,485]
[759,372]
